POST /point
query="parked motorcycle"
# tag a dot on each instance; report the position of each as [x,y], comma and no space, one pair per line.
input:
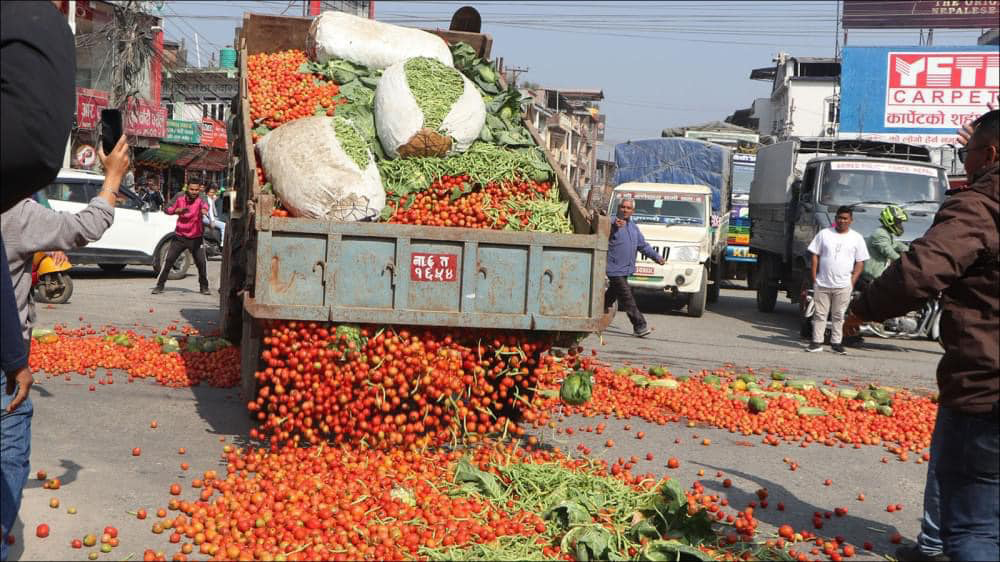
[50,280]
[212,242]
[922,323]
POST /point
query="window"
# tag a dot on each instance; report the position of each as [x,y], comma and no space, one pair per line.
[73,192]
[832,112]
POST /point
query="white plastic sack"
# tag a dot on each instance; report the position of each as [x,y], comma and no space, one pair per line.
[398,117]
[314,177]
[370,43]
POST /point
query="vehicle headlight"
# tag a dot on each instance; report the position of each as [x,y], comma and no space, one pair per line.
[684,253]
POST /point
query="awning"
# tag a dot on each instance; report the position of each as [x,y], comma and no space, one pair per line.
[210,160]
[189,155]
[166,153]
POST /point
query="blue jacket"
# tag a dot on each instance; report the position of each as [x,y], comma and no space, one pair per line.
[622,246]
[13,354]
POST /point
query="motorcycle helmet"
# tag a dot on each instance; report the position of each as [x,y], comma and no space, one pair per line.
[892,218]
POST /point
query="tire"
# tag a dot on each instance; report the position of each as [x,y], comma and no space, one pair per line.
[63,290]
[180,267]
[111,267]
[716,286]
[750,278]
[767,295]
[696,306]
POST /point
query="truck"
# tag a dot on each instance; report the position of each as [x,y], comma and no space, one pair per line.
[798,186]
[681,192]
[285,268]
[739,261]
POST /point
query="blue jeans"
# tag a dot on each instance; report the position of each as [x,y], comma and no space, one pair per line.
[968,473]
[15,453]
[929,539]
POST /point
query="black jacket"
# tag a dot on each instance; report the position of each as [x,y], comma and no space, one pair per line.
[37,94]
[13,353]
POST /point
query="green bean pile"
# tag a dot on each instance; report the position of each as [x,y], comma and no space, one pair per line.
[435,87]
[484,163]
[351,141]
[546,214]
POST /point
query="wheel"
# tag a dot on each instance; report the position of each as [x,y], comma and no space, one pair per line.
[696,306]
[180,267]
[750,278]
[767,295]
[111,267]
[716,286]
[53,288]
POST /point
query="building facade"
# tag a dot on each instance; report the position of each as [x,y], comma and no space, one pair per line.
[804,100]
[571,126]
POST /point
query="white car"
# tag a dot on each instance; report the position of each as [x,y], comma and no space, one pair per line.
[137,236]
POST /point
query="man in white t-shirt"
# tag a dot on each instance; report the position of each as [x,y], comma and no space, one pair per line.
[838,257]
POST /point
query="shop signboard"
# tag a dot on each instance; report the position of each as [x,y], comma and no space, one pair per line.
[917,95]
[89,104]
[144,119]
[183,132]
[921,14]
[213,133]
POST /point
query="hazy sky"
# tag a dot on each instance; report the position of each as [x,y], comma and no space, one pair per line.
[660,64]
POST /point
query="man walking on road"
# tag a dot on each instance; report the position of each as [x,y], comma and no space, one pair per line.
[959,257]
[625,241]
[189,208]
[838,256]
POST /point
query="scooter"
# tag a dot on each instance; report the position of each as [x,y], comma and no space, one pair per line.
[50,281]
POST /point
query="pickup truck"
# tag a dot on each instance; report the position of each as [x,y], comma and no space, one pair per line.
[394,274]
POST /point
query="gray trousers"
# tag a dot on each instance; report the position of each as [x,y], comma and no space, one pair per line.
[832,302]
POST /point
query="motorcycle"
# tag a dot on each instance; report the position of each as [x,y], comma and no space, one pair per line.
[50,280]
[922,323]
[212,242]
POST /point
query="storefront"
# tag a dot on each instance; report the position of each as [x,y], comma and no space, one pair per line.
[145,125]
[190,151]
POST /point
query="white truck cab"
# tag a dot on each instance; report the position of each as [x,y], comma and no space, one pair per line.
[676,220]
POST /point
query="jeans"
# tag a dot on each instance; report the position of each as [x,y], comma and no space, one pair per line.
[177,246]
[834,302]
[929,540]
[15,453]
[618,290]
[968,473]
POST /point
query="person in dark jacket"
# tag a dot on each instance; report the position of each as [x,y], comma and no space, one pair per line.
[37,95]
[959,257]
[625,241]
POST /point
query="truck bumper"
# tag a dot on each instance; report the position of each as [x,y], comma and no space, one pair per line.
[684,277]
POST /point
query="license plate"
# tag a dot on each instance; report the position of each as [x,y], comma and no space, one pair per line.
[662,250]
[644,270]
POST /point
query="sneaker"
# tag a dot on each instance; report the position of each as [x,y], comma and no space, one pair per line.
[838,348]
[814,347]
[643,332]
[205,291]
[157,290]
[912,553]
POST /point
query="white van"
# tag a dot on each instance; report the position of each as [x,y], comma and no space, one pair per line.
[138,236]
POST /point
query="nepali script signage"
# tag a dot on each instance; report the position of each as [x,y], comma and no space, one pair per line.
[916,94]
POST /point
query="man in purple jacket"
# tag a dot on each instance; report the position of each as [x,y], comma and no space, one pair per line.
[625,241]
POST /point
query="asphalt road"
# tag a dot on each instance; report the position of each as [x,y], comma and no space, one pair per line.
[85,438]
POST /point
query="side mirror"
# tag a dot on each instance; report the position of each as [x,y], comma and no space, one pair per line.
[146,207]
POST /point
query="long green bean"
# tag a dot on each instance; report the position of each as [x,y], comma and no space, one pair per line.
[435,87]
[352,142]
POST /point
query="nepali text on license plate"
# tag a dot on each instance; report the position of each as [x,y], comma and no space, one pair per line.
[643,270]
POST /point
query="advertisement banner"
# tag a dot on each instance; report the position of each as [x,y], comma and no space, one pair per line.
[89,104]
[144,119]
[919,14]
[925,92]
[213,133]
[183,132]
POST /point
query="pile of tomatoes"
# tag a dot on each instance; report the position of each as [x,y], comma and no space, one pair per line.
[85,351]
[452,201]
[392,387]
[279,93]
[846,421]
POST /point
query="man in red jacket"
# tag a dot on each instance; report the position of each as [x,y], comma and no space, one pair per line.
[189,208]
[959,257]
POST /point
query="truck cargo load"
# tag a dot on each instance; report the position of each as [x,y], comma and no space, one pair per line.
[676,160]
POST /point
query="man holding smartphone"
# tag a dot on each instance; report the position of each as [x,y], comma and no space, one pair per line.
[188,236]
[623,244]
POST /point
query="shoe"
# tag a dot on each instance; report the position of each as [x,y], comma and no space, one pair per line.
[912,553]
[205,291]
[814,347]
[838,348]
[642,333]
[157,290]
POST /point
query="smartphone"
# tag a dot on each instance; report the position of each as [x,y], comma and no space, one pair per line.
[111,129]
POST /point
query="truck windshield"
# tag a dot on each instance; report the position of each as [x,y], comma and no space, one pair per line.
[848,183]
[742,178]
[667,208]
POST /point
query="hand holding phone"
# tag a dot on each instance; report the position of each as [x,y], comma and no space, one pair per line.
[112,129]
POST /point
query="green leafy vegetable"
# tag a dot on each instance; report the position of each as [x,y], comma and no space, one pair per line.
[577,388]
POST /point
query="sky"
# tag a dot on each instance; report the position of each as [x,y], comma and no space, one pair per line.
[659,64]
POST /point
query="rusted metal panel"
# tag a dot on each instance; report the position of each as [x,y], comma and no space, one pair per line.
[565,285]
[365,273]
[297,269]
[500,274]
[432,274]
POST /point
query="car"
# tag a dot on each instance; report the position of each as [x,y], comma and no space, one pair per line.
[138,235]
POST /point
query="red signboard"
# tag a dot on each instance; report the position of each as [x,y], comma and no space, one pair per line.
[935,89]
[213,133]
[434,267]
[918,14]
[143,119]
[89,104]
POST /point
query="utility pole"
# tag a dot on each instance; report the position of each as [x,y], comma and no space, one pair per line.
[516,71]
[197,48]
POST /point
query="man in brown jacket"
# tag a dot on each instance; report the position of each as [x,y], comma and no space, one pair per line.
[959,257]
